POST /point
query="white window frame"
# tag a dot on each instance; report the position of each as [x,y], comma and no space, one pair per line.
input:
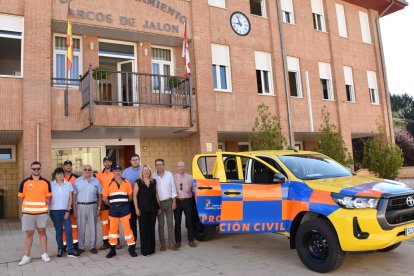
[293,64]
[341,19]
[13,152]
[14,26]
[65,53]
[373,87]
[287,9]
[349,80]
[317,10]
[365,27]
[217,3]
[325,73]
[262,69]
[217,65]
[161,64]
[263,9]
[244,144]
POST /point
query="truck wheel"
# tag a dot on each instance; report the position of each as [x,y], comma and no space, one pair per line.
[318,247]
[390,248]
[202,232]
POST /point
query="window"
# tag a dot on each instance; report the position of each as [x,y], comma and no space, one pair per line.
[244,146]
[287,11]
[258,7]
[318,15]
[340,16]
[80,156]
[295,86]
[217,3]
[11,45]
[349,84]
[264,73]
[221,67]
[60,58]
[373,87]
[326,80]
[161,65]
[7,153]
[365,30]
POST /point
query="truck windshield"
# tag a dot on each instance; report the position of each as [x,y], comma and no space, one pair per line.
[313,166]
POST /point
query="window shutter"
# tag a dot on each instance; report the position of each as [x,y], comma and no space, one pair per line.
[365,30]
[372,80]
[217,3]
[340,15]
[263,61]
[287,5]
[220,54]
[348,75]
[317,7]
[11,23]
[293,64]
[324,70]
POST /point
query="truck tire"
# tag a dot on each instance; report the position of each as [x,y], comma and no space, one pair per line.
[389,248]
[318,247]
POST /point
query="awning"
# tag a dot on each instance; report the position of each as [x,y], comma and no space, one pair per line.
[10,137]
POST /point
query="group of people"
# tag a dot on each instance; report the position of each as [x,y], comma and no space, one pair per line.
[114,195]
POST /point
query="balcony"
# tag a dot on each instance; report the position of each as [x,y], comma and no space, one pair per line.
[131,102]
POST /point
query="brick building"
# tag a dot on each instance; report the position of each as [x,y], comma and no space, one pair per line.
[132,96]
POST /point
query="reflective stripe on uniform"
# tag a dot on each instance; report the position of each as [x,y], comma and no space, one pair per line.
[128,237]
[118,193]
[105,221]
[74,226]
[105,237]
[34,203]
[118,200]
[34,209]
[115,236]
[132,243]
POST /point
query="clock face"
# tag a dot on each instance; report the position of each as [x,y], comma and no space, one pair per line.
[240,23]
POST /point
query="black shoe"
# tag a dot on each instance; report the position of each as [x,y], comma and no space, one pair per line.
[75,246]
[64,249]
[59,254]
[112,252]
[131,250]
[73,255]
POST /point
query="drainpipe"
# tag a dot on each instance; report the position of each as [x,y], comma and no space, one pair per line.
[37,142]
[285,73]
[384,70]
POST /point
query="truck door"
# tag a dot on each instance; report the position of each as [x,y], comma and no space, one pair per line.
[251,195]
[207,188]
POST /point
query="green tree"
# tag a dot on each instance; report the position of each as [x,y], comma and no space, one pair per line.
[266,133]
[330,141]
[402,106]
[382,157]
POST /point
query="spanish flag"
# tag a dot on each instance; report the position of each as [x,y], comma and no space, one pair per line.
[186,52]
[69,40]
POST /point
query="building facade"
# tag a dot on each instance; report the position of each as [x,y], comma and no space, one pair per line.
[127,92]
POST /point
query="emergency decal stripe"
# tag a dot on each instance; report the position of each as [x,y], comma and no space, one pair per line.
[247,227]
[299,191]
[376,189]
[323,197]
[254,192]
[207,187]
[266,209]
[231,210]
[324,209]
[290,208]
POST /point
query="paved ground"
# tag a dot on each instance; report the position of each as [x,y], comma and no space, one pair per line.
[247,254]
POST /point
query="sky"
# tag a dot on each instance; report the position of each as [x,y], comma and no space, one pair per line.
[397,31]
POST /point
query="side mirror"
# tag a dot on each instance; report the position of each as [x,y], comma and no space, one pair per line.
[279,178]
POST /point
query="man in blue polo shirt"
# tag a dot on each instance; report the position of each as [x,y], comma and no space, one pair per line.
[132,174]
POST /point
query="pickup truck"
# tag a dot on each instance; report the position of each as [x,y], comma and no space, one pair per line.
[323,208]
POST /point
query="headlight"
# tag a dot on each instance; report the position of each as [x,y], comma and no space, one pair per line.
[354,202]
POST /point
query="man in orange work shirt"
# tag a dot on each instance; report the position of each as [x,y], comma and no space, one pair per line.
[71,177]
[105,176]
[34,194]
[117,194]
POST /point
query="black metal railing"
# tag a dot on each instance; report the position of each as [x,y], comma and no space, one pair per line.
[107,87]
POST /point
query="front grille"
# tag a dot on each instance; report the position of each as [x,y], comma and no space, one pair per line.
[398,211]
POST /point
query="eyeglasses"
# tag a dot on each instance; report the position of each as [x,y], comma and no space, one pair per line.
[181,186]
[134,159]
[159,164]
[87,170]
[36,169]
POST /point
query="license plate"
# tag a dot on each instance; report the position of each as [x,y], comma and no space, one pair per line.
[409,231]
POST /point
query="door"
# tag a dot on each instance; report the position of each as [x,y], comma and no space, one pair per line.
[120,155]
[126,83]
[251,200]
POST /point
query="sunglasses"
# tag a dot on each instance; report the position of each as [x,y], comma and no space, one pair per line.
[87,170]
[159,164]
[36,169]
[181,186]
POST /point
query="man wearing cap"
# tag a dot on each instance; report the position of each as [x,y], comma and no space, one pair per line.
[117,194]
[71,177]
[105,176]
[87,195]
[132,174]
